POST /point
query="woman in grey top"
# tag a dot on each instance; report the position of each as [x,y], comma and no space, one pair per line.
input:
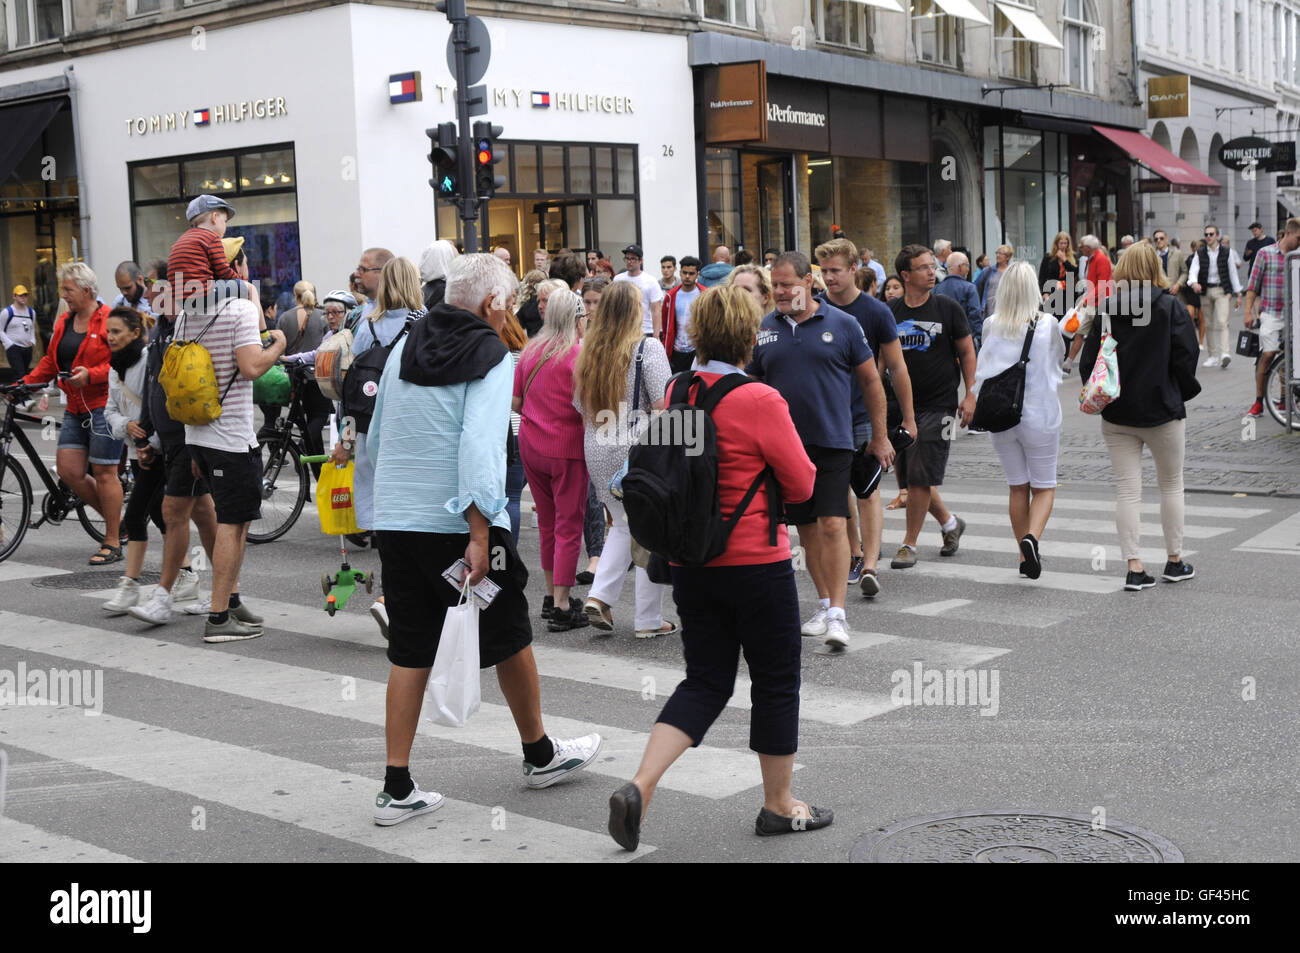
[614,352]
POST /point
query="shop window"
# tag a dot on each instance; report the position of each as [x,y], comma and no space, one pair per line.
[579,169]
[1015,54]
[605,171]
[734,12]
[37,21]
[1081,39]
[259,171]
[526,169]
[844,23]
[156,181]
[936,34]
[626,172]
[553,170]
[722,191]
[214,175]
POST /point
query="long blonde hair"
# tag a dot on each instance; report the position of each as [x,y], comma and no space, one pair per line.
[1019,299]
[399,287]
[559,333]
[600,377]
[1069,249]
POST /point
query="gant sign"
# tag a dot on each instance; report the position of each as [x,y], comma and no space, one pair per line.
[1167,96]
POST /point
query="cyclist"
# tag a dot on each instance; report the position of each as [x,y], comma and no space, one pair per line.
[1265,302]
[78,357]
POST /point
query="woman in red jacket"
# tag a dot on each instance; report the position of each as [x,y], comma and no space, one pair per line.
[78,358]
[746,599]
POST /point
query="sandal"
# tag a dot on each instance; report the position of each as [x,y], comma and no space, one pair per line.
[601,619]
[898,503]
[668,628]
[106,555]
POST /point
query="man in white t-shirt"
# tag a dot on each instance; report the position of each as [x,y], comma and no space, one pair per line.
[651,293]
[225,451]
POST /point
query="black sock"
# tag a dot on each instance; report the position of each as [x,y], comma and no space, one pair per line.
[234,600]
[219,618]
[539,753]
[398,783]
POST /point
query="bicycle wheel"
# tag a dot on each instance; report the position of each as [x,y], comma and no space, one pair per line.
[91,521]
[284,489]
[1277,395]
[15,506]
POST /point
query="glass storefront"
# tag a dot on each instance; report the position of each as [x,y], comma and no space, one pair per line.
[557,195]
[261,183]
[1026,189]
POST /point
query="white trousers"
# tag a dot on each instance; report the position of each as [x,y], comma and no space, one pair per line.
[612,569]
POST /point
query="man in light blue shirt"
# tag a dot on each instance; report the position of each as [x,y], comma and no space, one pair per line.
[438,443]
[129,279]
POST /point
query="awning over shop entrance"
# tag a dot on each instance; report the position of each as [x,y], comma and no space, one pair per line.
[1182,177]
[23,125]
[1028,25]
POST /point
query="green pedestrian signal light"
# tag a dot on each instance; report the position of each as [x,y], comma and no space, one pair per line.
[443,159]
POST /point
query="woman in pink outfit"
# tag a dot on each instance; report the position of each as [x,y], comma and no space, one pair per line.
[550,446]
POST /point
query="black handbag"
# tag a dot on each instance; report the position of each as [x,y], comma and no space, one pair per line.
[1248,343]
[1002,398]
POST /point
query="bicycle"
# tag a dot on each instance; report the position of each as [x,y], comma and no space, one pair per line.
[1277,393]
[279,446]
[16,497]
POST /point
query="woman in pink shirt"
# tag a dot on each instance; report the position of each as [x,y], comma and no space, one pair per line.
[550,446]
[746,599]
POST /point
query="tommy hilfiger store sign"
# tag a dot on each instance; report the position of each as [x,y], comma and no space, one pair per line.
[548,99]
[267,108]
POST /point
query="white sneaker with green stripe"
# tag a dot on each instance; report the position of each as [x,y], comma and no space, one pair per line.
[571,755]
[390,811]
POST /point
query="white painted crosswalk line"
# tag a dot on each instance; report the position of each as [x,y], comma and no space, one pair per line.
[1104,528]
[1281,539]
[892,650]
[334,803]
[1085,582]
[936,608]
[25,844]
[1229,510]
[705,771]
[12,570]
[1055,549]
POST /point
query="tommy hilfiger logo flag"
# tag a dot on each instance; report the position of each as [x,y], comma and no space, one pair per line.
[541,100]
[404,88]
[202,117]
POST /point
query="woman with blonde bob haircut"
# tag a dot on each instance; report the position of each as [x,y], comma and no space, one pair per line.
[746,599]
[757,281]
[619,381]
[1029,450]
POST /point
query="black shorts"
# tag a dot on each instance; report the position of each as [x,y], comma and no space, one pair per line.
[830,488]
[236,481]
[924,462]
[417,597]
[180,480]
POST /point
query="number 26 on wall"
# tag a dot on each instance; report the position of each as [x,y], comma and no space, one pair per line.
[668,150]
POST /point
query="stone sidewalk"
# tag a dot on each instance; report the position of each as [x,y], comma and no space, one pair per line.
[1227,452]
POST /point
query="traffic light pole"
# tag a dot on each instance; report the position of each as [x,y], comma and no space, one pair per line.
[465,146]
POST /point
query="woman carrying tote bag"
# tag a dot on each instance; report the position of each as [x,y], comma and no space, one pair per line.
[1030,449]
[1157,352]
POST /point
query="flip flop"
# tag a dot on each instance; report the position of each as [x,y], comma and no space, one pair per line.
[106,556]
[897,503]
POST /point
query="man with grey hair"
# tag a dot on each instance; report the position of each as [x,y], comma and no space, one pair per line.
[958,287]
[438,443]
[942,249]
[1095,272]
[367,278]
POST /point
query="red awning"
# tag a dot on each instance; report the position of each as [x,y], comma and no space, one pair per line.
[1181,176]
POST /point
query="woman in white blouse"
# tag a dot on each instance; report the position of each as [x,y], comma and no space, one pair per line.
[1030,449]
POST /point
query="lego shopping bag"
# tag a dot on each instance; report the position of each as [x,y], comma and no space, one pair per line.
[453,687]
[334,501]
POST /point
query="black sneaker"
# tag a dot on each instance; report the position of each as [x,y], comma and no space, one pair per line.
[574,618]
[548,607]
[1137,581]
[585,578]
[1033,564]
[1177,572]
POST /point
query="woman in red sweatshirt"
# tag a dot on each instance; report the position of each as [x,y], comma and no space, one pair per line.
[79,349]
[746,599]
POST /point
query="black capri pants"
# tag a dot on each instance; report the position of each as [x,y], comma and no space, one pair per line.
[145,503]
[725,610]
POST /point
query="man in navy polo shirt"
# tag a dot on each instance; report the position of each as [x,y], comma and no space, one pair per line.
[839,261]
[812,353]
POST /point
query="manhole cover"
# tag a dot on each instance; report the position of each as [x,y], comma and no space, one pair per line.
[1005,837]
[96,579]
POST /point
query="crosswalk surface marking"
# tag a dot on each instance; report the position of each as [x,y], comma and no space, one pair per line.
[706,771]
[1049,548]
[1281,539]
[334,803]
[25,844]
[1069,524]
[936,608]
[1064,502]
[1085,582]
[10,571]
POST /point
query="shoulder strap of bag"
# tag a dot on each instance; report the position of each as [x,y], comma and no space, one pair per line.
[9,320]
[529,383]
[712,396]
[636,386]
[1029,340]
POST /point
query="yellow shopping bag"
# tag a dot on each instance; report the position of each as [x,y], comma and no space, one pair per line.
[334,500]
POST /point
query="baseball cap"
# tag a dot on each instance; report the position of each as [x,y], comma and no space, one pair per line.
[21,290]
[634,250]
[208,203]
[232,246]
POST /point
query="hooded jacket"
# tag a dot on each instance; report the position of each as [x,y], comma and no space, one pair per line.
[714,274]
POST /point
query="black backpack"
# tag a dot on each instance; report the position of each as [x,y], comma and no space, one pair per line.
[670,491]
[361,384]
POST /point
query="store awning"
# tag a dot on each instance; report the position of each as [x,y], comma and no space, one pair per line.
[1182,178]
[1028,25]
[962,9]
[892,5]
[23,125]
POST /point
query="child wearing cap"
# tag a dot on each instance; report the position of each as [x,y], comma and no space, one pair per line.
[198,257]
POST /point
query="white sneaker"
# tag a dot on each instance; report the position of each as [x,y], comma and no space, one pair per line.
[837,634]
[380,614]
[199,606]
[127,595]
[571,755]
[186,588]
[816,625]
[1210,362]
[389,811]
[157,611]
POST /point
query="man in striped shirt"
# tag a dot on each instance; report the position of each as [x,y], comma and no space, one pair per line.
[1267,287]
[197,258]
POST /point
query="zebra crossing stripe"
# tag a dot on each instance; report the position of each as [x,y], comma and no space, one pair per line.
[936,608]
[1281,539]
[25,844]
[10,571]
[1067,524]
[333,803]
[1051,548]
[1082,582]
[705,771]
[1064,502]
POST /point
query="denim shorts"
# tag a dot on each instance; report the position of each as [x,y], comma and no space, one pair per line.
[90,432]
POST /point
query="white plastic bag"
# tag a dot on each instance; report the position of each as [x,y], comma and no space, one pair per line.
[453,687]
